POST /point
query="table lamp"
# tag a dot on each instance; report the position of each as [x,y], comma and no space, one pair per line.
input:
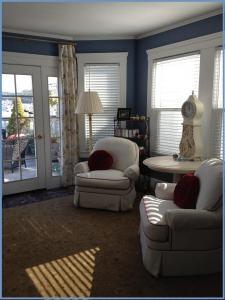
[89,103]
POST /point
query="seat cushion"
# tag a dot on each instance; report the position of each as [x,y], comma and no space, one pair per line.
[152,214]
[100,160]
[107,179]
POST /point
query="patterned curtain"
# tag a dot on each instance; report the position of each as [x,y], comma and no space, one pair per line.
[69,98]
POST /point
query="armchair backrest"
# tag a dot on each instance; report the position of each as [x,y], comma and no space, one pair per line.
[124,152]
[210,175]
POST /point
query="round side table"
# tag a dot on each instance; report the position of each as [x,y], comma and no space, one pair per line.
[166,164]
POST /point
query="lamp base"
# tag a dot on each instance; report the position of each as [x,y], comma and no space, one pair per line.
[90,141]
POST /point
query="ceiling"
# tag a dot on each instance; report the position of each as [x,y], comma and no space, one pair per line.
[101,20]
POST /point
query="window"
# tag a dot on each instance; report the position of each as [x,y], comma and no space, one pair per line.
[18,130]
[54,117]
[104,79]
[174,71]
[106,74]
[174,79]
[217,108]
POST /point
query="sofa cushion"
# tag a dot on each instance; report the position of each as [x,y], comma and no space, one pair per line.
[186,191]
[210,176]
[105,179]
[100,160]
[152,214]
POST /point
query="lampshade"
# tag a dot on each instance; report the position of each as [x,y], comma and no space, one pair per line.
[89,103]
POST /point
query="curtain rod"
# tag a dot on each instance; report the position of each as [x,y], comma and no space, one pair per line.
[40,39]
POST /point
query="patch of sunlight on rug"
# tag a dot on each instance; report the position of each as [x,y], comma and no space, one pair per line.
[70,276]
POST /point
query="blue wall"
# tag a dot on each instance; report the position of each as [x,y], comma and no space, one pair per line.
[137,57]
[193,30]
[45,48]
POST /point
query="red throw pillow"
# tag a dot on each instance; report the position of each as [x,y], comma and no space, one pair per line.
[14,137]
[186,191]
[100,160]
[11,138]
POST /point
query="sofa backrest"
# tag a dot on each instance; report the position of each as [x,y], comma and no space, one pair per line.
[210,174]
[124,152]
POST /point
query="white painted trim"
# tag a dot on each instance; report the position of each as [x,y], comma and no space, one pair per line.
[103,37]
[189,45]
[51,181]
[206,45]
[37,34]
[205,94]
[179,24]
[29,59]
[75,38]
[82,59]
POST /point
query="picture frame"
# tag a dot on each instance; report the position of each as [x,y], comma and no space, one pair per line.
[123,113]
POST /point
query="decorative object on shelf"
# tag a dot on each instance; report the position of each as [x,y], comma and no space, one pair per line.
[127,133]
[191,142]
[175,156]
[89,103]
[136,130]
[123,113]
[135,118]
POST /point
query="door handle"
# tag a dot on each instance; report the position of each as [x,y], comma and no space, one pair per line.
[39,136]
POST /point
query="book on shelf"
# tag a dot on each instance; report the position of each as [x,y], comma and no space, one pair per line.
[128,133]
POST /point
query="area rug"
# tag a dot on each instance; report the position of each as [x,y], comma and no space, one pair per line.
[52,249]
[35,196]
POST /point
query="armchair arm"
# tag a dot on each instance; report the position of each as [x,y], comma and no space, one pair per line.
[193,219]
[81,167]
[165,190]
[132,172]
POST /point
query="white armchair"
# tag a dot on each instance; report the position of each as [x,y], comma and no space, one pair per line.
[112,189]
[178,241]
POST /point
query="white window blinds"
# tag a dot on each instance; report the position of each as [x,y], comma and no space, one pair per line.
[173,81]
[217,107]
[104,79]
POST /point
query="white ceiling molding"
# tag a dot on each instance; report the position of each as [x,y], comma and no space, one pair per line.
[39,34]
[179,24]
[70,38]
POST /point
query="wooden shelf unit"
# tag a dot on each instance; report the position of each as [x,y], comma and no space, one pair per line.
[135,130]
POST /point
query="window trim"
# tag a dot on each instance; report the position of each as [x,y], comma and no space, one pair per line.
[85,58]
[207,46]
[218,111]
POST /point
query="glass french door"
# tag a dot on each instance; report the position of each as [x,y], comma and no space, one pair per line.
[23,147]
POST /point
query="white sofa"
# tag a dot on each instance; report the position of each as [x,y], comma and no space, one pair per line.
[112,189]
[176,241]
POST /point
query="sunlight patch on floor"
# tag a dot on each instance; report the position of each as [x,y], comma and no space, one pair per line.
[70,276]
